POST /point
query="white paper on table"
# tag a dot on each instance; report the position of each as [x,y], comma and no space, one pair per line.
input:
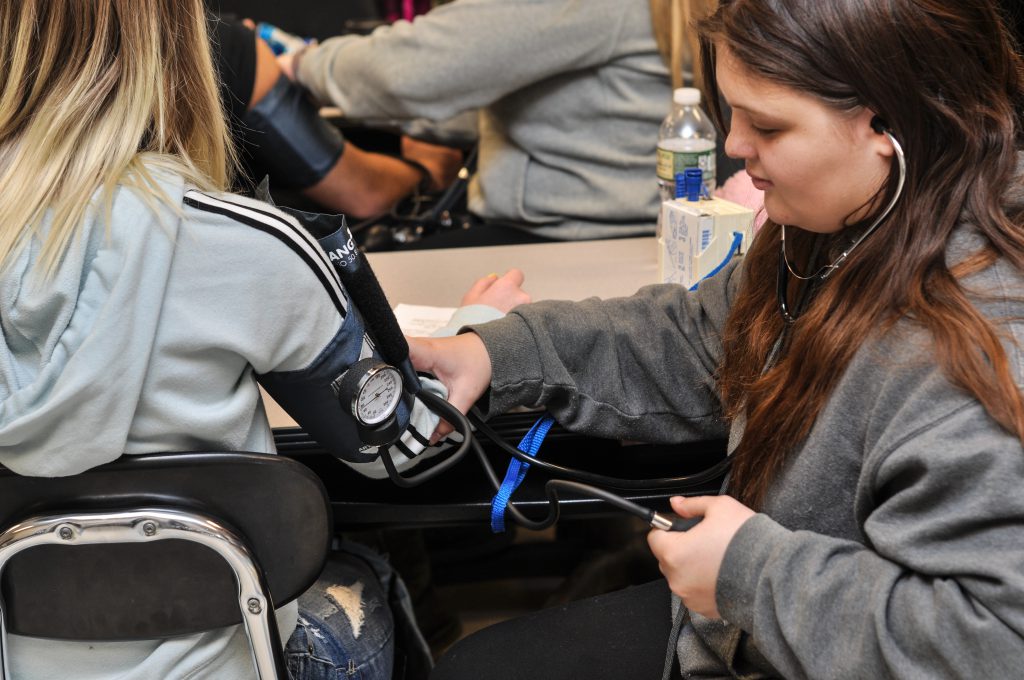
[420,320]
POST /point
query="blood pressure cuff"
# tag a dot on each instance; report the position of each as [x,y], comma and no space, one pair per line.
[290,139]
[309,394]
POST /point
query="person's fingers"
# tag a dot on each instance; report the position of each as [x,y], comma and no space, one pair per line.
[692,507]
[664,545]
[508,290]
[478,288]
[249,23]
[442,430]
[514,276]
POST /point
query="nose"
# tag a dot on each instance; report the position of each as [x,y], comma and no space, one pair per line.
[738,145]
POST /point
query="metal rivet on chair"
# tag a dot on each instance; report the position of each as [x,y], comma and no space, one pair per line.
[254,606]
[149,528]
[66,533]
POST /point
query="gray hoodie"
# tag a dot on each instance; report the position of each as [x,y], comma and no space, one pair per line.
[571,95]
[892,543]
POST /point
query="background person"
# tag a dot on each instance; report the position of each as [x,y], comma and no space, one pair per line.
[571,95]
[281,133]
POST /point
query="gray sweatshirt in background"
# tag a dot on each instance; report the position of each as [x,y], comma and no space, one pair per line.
[892,544]
[571,95]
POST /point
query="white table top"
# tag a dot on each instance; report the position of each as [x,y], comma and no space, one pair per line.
[562,271]
[554,271]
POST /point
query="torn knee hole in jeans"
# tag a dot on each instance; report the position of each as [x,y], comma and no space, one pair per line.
[350,600]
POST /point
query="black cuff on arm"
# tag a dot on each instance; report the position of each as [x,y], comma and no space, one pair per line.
[290,139]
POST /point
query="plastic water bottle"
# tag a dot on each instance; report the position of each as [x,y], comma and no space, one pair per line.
[686,140]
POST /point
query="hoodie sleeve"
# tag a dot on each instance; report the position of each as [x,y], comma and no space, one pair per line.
[640,367]
[937,591]
[461,56]
[271,294]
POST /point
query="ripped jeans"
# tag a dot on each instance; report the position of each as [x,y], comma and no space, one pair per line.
[356,623]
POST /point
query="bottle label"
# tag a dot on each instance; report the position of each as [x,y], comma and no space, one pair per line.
[672,162]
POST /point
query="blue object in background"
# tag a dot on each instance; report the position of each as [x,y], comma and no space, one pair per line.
[280,41]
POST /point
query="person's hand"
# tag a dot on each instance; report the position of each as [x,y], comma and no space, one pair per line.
[691,560]
[288,63]
[461,363]
[501,292]
[442,162]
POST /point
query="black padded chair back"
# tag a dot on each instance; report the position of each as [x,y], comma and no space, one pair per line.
[171,587]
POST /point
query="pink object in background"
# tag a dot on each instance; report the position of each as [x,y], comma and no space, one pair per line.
[405,9]
[739,189]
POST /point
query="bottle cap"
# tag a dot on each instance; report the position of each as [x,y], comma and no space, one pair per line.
[694,180]
[686,96]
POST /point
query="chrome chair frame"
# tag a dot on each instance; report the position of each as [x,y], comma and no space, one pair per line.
[157,524]
[161,545]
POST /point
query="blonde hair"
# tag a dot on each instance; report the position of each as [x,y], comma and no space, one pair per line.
[672,22]
[96,94]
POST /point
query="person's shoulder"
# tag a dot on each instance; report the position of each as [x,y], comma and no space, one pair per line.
[256,231]
[227,207]
[247,215]
[997,290]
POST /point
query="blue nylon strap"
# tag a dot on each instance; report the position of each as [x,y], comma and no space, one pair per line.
[737,239]
[516,472]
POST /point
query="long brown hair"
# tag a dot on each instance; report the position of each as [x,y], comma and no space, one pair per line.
[945,77]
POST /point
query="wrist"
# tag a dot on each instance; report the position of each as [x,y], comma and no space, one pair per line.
[426,179]
[297,58]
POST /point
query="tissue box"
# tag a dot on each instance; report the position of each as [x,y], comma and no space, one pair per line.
[696,237]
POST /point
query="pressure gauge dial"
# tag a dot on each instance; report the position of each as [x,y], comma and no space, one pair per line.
[371,391]
[378,393]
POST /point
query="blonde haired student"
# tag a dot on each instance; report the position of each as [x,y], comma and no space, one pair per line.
[139,303]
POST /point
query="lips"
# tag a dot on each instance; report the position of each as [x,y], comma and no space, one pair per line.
[759,183]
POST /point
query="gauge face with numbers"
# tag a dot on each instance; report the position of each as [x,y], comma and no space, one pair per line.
[378,394]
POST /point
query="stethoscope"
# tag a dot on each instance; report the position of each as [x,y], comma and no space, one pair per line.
[582,482]
[786,269]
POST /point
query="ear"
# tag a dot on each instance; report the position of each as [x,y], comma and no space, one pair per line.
[875,132]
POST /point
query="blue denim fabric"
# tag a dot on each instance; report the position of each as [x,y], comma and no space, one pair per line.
[346,628]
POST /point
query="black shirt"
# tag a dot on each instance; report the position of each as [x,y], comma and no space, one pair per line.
[234,55]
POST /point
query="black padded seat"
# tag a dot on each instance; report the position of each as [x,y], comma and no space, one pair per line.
[161,588]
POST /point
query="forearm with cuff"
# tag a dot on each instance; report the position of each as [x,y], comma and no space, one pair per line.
[290,138]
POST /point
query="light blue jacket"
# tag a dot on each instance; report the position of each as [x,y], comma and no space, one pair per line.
[149,338]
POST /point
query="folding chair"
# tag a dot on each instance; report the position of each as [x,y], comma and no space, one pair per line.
[161,545]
